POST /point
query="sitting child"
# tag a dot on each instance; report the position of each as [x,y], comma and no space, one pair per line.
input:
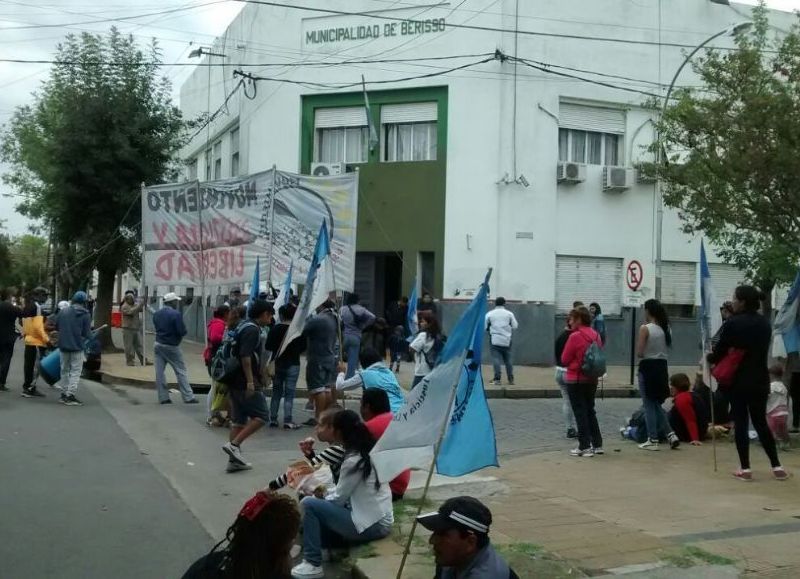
[332,456]
[259,542]
[778,406]
[688,416]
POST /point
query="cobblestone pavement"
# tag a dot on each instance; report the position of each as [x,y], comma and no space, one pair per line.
[534,426]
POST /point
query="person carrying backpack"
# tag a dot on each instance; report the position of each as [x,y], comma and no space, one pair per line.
[585,363]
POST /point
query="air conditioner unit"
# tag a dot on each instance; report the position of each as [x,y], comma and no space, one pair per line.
[326,169]
[571,173]
[618,178]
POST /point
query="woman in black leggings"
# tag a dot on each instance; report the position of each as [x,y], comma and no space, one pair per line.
[747,330]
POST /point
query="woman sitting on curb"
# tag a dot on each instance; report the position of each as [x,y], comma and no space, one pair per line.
[368,517]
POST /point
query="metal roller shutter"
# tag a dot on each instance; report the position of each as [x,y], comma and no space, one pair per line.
[725,278]
[409,113]
[586,118]
[340,117]
[679,282]
[589,279]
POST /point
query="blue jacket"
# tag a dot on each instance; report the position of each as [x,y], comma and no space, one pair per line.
[169,325]
[74,327]
[379,376]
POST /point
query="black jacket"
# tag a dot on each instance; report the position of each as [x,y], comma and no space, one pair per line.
[561,342]
[751,332]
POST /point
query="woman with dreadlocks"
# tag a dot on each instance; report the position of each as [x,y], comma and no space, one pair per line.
[258,542]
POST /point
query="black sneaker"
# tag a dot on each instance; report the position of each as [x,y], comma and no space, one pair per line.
[32,392]
[70,400]
[167,401]
[273,424]
[572,433]
[3,388]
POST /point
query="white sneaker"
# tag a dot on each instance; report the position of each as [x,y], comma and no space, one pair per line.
[674,441]
[649,445]
[598,451]
[235,453]
[236,467]
[306,570]
[582,453]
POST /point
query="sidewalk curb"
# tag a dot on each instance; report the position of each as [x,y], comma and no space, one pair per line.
[494,393]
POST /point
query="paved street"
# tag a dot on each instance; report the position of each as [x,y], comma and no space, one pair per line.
[79,500]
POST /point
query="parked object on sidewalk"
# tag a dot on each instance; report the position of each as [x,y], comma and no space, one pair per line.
[461,543]
[258,543]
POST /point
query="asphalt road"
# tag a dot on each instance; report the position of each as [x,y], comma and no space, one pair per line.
[77,498]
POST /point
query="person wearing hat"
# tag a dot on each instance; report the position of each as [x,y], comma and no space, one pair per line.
[460,541]
[74,327]
[132,329]
[170,331]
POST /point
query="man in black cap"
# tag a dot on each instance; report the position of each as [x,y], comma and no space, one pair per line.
[460,541]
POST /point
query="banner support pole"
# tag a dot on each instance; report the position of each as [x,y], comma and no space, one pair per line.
[143,283]
[202,266]
[271,223]
[713,426]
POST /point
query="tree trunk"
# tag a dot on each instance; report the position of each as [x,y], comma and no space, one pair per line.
[102,305]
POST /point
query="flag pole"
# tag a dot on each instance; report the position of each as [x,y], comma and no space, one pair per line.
[143,282]
[436,450]
[271,223]
[438,446]
[713,422]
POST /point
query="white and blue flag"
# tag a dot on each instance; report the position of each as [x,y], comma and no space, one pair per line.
[710,317]
[255,284]
[411,316]
[311,292]
[469,441]
[285,291]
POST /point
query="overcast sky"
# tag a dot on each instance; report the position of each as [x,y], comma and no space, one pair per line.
[175,33]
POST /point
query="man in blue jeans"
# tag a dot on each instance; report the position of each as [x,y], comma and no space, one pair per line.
[287,369]
[170,331]
[500,323]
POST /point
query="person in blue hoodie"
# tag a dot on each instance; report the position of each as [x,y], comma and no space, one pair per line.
[374,375]
[74,327]
[170,330]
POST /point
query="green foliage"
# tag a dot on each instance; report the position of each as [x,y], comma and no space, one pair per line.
[732,151]
[28,262]
[691,556]
[101,125]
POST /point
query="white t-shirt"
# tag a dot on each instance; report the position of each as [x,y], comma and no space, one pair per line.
[778,401]
[420,345]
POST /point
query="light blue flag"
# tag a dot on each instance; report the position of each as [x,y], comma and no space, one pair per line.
[786,322]
[320,259]
[411,317]
[286,290]
[255,284]
[470,443]
[710,317]
[412,436]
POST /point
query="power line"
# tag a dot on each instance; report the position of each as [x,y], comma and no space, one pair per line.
[479,28]
[121,18]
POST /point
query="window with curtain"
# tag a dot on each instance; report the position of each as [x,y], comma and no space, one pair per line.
[588,147]
[342,145]
[191,169]
[410,141]
[208,164]
[591,134]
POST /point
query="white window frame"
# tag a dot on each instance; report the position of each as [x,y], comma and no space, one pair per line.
[216,152]
[341,119]
[417,116]
[209,164]
[192,165]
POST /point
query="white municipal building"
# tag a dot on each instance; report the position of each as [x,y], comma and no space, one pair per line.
[527,166]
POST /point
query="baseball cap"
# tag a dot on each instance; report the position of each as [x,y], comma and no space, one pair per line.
[465,513]
[171,297]
[79,297]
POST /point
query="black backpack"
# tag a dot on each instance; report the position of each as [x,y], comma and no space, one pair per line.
[225,365]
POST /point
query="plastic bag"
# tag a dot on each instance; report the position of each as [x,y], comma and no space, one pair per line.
[309,480]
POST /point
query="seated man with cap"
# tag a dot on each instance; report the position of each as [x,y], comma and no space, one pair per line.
[460,541]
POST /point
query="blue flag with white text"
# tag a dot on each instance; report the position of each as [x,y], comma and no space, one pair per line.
[285,291]
[256,282]
[469,443]
[411,438]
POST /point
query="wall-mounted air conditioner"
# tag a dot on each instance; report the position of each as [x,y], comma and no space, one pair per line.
[618,178]
[325,169]
[571,173]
